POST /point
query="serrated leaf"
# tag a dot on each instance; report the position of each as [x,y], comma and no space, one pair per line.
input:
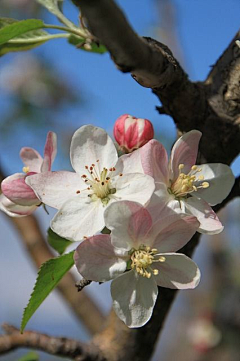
[13,29]
[49,275]
[94,47]
[54,7]
[30,356]
[57,242]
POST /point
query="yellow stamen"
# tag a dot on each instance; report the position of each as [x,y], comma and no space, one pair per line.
[162,259]
[25,169]
[184,184]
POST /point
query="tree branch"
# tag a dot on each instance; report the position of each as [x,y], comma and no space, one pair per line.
[34,242]
[59,346]
[214,110]
[151,63]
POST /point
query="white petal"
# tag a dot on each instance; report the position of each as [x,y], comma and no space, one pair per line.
[134,187]
[129,223]
[32,159]
[55,188]
[177,271]
[96,260]
[172,232]
[150,159]
[130,163]
[185,152]
[79,218]
[158,201]
[220,179]
[209,222]
[134,298]
[90,144]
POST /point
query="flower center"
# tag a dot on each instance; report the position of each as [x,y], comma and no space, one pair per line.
[142,259]
[186,183]
[99,182]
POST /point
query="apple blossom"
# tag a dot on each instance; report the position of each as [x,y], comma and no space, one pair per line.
[131,132]
[139,255]
[183,185]
[17,198]
[82,197]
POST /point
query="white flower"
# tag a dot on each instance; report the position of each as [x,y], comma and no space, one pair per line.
[82,197]
[180,183]
[139,256]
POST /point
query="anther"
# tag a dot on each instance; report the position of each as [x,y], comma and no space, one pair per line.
[162,259]
[25,169]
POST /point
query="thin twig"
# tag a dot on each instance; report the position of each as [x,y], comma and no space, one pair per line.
[59,346]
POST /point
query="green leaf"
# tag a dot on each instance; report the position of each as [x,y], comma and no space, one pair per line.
[30,356]
[58,243]
[54,7]
[26,41]
[49,275]
[13,29]
[78,42]
[7,48]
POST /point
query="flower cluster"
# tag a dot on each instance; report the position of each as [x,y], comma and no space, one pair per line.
[151,207]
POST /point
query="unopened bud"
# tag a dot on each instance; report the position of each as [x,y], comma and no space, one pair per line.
[132,133]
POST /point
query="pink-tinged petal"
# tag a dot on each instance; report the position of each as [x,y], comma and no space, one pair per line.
[220,179]
[133,187]
[92,145]
[209,222]
[15,189]
[50,151]
[130,226]
[79,218]
[159,200]
[15,210]
[134,298]
[130,163]
[96,260]
[177,271]
[155,161]
[185,152]
[32,159]
[172,232]
[55,188]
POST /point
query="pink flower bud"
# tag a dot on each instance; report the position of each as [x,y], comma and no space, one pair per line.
[131,132]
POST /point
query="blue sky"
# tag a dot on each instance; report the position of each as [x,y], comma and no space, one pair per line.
[204,29]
